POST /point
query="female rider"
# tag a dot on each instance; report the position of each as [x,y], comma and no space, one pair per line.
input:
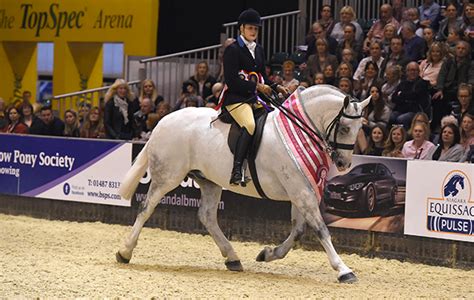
[244,74]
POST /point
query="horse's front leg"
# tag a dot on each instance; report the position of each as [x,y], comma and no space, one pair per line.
[298,226]
[210,197]
[307,203]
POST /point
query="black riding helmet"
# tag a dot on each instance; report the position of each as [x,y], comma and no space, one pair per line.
[250,17]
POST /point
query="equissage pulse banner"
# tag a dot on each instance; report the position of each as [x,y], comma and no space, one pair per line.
[65,169]
[440,202]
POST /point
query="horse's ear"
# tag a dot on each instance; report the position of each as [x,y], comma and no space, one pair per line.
[347,100]
[364,103]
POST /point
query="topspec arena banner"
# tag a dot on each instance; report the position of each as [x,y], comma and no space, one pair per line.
[63,169]
[440,203]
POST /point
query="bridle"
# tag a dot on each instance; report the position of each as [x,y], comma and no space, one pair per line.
[331,147]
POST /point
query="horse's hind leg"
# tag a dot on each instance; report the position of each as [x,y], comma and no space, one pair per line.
[298,226]
[210,197]
[145,210]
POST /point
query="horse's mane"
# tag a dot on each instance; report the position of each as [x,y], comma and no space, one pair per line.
[315,91]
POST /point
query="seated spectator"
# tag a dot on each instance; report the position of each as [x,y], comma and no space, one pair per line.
[3,119]
[449,148]
[411,96]
[318,78]
[325,19]
[348,57]
[151,123]
[49,125]
[451,22]
[368,79]
[419,117]
[162,110]
[119,110]
[453,72]
[317,32]
[329,74]
[202,80]
[148,90]
[84,108]
[29,118]
[389,32]
[189,89]
[376,113]
[93,126]
[413,15]
[375,56]
[445,121]
[345,85]
[467,130]
[140,117]
[414,46]
[396,55]
[376,32]
[344,70]
[375,144]
[468,19]
[289,80]
[464,103]
[318,61]
[429,14]
[454,37]
[347,15]
[395,141]
[220,71]
[428,36]
[15,122]
[213,100]
[349,42]
[420,146]
[430,67]
[399,9]
[392,76]
[71,123]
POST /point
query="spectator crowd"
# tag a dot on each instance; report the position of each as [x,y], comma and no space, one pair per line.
[416,63]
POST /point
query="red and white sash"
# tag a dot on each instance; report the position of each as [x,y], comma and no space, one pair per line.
[312,162]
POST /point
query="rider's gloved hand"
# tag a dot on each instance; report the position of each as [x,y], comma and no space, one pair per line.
[283,90]
[264,89]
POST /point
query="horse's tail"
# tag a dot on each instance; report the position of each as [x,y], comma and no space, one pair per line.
[133,176]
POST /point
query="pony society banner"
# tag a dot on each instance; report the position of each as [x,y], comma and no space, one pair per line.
[439,201]
[63,169]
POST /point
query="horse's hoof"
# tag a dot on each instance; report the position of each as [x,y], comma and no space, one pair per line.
[348,278]
[121,259]
[235,266]
[261,255]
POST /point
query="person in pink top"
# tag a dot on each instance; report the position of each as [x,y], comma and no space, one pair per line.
[420,146]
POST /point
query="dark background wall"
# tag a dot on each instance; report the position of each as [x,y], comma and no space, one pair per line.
[186,25]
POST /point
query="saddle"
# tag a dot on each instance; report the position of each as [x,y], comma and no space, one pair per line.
[260,116]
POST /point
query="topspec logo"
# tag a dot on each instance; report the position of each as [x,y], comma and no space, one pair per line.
[454,212]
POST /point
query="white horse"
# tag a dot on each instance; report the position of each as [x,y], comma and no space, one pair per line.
[185,143]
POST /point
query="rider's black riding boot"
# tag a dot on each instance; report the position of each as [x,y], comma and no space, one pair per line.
[240,153]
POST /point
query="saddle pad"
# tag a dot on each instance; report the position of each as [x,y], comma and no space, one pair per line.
[309,159]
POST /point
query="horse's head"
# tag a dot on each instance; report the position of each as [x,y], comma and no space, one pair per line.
[338,118]
[342,131]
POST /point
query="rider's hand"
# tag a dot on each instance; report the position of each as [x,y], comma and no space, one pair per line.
[281,89]
[264,89]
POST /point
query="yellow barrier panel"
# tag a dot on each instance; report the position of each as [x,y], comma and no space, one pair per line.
[77,29]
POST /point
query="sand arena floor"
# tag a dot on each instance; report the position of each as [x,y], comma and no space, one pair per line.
[57,259]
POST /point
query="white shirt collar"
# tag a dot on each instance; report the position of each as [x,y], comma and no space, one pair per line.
[250,45]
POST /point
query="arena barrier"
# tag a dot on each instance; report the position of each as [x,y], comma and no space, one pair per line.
[36,172]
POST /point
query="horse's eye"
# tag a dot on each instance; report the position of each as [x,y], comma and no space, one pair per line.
[344,130]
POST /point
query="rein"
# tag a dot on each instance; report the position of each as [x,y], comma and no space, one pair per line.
[330,147]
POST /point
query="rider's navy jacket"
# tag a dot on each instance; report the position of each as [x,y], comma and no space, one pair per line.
[237,57]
